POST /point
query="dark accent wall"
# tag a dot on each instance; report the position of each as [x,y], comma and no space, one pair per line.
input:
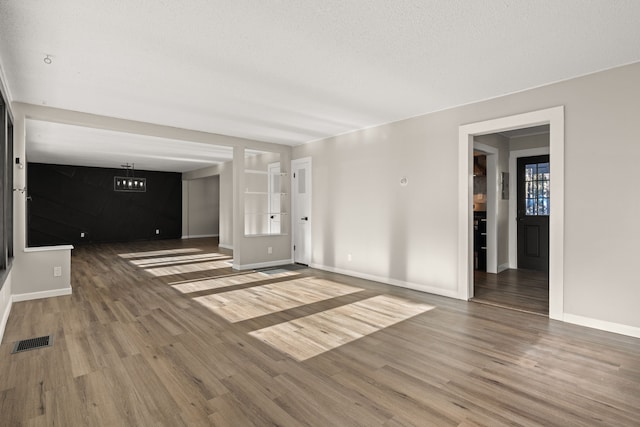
[66,201]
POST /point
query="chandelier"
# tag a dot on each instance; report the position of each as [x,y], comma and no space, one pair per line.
[129,182]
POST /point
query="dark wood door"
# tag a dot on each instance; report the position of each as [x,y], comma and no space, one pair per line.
[533,212]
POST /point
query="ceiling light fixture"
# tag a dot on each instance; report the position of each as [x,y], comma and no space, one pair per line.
[129,182]
[47,60]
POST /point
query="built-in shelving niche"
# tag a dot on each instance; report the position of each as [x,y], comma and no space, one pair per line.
[265,197]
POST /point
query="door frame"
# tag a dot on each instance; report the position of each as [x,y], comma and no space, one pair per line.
[554,117]
[294,205]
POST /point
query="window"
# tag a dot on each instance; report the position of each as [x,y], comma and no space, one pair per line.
[537,180]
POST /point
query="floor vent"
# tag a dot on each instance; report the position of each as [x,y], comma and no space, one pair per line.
[33,343]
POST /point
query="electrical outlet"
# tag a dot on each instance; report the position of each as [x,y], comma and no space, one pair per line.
[270,250]
[157,231]
[82,234]
[57,271]
[349,257]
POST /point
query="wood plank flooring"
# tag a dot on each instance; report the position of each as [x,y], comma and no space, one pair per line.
[134,346]
[525,290]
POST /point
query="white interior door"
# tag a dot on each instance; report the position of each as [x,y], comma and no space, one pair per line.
[301,205]
[274,214]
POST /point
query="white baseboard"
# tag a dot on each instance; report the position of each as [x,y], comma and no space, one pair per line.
[199,236]
[390,281]
[263,264]
[44,294]
[5,319]
[603,325]
[223,246]
[503,267]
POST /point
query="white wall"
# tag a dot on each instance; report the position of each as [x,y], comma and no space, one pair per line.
[528,142]
[226,206]
[201,207]
[408,235]
[33,268]
[5,304]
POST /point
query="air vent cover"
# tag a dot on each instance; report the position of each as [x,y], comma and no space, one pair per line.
[33,343]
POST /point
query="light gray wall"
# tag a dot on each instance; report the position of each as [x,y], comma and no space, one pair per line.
[201,207]
[527,142]
[5,304]
[226,206]
[409,234]
[32,270]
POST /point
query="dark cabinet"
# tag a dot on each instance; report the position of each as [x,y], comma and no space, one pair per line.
[480,240]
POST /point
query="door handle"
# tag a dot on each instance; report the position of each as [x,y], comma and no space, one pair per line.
[305,218]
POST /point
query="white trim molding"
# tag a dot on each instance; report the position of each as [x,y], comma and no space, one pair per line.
[49,248]
[43,294]
[200,236]
[5,319]
[602,325]
[266,264]
[389,281]
[555,118]
[6,299]
[223,246]
[503,267]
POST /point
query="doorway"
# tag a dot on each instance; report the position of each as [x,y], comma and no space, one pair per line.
[522,285]
[554,117]
[301,209]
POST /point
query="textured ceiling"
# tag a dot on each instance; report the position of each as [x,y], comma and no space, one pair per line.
[290,72]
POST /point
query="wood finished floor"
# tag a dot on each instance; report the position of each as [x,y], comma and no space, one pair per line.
[525,290]
[134,346]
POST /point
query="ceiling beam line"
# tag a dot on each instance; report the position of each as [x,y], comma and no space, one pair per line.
[58,115]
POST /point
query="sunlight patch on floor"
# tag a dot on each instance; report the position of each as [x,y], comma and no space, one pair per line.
[227,281]
[159,253]
[317,333]
[181,259]
[187,268]
[243,304]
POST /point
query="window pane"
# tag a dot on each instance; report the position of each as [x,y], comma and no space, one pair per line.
[545,190]
[531,207]
[531,190]
[537,188]
[302,181]
[543,207]
[529,172]
[543,171]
